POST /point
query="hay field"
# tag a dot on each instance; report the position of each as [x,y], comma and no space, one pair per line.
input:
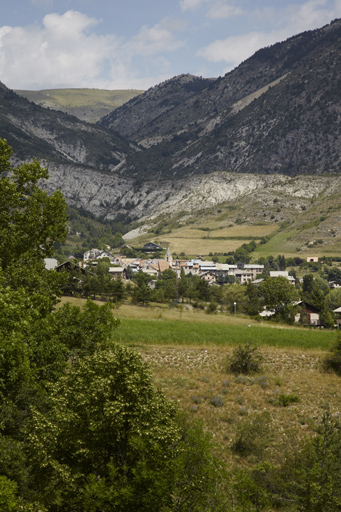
[196,246]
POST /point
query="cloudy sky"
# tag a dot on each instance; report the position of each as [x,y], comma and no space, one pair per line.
[135,44]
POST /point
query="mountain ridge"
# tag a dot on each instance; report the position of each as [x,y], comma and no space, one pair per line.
[205,133]
[276,116]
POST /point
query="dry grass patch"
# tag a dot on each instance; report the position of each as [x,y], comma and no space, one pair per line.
[196,377]
[195,246]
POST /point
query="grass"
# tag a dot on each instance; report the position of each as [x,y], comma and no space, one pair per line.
[159,325]
[278,244]
[194,376]
[86,104]
[176,332]
[214,237]
[188,362]
[195,246]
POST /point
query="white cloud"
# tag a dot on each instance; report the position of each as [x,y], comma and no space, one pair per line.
[221,10]
[314,13]
[218,9]
[290,21]
[159,38]
[66,52]
[60,52]
[235,49]
[189,5]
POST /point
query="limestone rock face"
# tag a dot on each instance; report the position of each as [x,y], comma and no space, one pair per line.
[109,194]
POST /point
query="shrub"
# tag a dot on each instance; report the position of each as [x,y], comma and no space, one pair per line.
[333,361]
[286,400]
[211,308]
[217,401]
[245,359]
[196,399]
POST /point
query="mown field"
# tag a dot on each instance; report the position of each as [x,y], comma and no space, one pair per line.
[212,237]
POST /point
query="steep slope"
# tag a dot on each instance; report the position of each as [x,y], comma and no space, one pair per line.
[33,131]
[149,109]
[278,112]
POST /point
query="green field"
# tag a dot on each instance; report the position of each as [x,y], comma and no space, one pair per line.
[176,332]
[160,325]
[280,243]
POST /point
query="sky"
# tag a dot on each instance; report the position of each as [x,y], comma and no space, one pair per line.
[136,44]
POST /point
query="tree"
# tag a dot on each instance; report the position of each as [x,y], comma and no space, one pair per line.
[308,281]
[333,299]
[254,305]
[8,500]
[168,274]
[281,262]
[333,274]
[234,293]
[182,285]
[318,480]
[280,296]
[141,293]
[109,441]
[31,222]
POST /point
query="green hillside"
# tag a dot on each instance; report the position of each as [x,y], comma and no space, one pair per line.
[86,104]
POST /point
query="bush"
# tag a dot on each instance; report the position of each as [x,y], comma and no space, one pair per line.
[333,361]
[217,401]
[245,359]
[286,400]
[211,308]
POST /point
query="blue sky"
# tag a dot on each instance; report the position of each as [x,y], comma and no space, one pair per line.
[136,44]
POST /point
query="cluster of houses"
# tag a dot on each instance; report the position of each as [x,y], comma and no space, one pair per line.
[209,271]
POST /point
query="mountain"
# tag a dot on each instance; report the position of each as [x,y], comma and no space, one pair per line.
[278,112]
[142,115]
[259,145]
[58,138]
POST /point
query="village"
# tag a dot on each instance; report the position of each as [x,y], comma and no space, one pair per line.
[213,274]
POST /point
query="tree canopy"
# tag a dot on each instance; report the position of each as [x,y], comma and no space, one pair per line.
[31,221]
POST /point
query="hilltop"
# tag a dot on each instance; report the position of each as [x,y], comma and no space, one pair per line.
[88,105]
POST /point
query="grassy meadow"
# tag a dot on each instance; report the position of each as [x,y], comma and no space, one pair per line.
[86,104]
[182,326]
[188,352]
[214,236]
[212,333]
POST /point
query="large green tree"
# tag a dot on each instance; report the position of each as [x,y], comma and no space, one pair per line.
[82,428]
[280,296]
[31,221]
[110,441]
